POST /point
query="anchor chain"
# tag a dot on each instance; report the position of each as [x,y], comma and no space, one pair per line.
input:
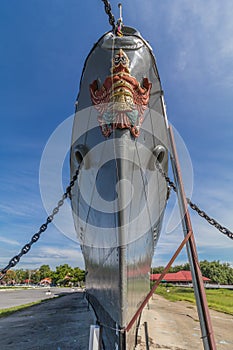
[194,207]
[14,261]
[108,11]
[210,220]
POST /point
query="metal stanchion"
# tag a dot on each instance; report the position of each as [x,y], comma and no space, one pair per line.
[146,336]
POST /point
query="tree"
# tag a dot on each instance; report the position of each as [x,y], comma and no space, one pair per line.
[178,268]
[35,276]
[175,268]
[21,275]
[62,271]
[10,277]
[158,269]
[78,276]
[45,271]
[217,272]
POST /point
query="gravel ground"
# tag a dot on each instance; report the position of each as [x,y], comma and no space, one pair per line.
[175,326]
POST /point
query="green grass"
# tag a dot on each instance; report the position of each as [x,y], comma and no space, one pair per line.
[218,299]
[11,310]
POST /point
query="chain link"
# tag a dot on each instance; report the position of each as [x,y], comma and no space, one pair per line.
[14,261]
[108,11]
[193,206]
[210,220]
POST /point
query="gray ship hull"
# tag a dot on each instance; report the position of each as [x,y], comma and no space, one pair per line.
[120,197]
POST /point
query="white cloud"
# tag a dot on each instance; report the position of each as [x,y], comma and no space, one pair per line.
[199,37]
[52,256]
[216,200]
[14,209]
[9,241]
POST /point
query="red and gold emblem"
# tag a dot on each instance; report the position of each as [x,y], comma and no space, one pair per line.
[121,101]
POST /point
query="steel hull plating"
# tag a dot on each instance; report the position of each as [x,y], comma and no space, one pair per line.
[119,200]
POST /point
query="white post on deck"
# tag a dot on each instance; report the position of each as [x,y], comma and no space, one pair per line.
[94,339]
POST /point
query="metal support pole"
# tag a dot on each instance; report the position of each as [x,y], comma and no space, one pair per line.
[146,336]
[100,337]
[137,329]
[122,336]
[202,306]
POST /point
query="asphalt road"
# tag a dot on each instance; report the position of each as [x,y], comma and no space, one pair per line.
[16,297]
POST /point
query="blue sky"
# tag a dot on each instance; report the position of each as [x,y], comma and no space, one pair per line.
[43,45]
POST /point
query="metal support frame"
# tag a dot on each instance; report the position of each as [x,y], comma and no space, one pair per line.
[149,295]
[198,285]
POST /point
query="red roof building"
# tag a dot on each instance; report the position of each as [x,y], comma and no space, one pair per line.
[46,281]
[27,281]
[176,277]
